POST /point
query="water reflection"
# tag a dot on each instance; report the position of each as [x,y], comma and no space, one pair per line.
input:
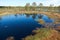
[16,15]
[27,15]
[20,25]
[0,18]
[40,16]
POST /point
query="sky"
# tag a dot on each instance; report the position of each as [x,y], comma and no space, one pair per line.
[23,2]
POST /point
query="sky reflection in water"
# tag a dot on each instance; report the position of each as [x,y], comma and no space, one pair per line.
[20,25]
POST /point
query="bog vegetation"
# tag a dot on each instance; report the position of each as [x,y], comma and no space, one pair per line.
[44,34]
[28,7]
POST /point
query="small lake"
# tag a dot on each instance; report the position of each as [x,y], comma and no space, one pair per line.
[20,25]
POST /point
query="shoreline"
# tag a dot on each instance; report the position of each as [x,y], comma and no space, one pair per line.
[53,15]
[50,14]
[29,12]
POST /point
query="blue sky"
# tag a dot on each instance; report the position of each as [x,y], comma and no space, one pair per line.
[23,2]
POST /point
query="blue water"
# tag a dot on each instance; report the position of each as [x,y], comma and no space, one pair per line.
[20,25]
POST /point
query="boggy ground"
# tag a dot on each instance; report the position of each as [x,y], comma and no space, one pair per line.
[44,34]
[41,34]
[50,14]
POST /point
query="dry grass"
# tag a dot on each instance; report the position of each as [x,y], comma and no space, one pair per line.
[44,34]
[41,21]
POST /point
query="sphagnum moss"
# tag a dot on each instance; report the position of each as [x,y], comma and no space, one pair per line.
[43,34]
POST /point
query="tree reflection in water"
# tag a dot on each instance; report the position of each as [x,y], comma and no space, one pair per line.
[0,18]
[27,15]
[16,15]
[40,16]
[34,16]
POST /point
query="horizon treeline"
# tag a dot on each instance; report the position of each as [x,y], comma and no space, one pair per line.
[33,7]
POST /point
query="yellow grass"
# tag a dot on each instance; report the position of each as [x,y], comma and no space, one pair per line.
[44,34]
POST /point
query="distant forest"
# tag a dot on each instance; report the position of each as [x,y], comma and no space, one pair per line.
[33,7]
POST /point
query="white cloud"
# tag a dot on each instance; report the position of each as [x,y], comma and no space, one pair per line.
[23,2]
[55,2]
[48,2]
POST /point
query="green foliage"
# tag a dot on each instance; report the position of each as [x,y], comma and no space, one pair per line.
[33,8]
[2,7]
